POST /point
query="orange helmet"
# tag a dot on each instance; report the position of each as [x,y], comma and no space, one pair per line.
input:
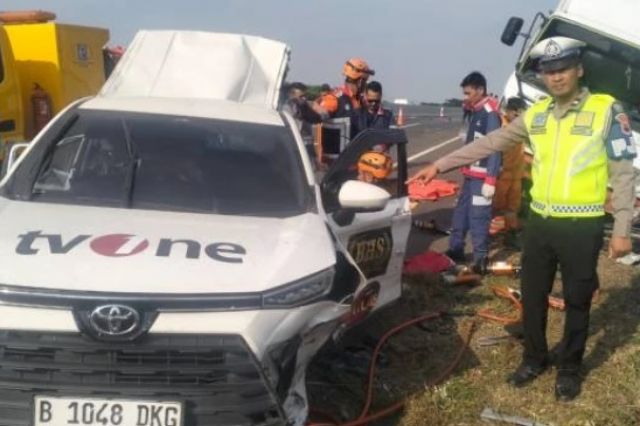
[378,164]
[356,69]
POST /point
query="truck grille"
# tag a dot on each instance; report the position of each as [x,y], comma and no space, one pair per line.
[216,377]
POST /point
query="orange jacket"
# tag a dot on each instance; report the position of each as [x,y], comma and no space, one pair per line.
[335,102]
[513,163]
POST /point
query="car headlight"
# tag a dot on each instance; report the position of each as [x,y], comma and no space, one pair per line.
[300,292]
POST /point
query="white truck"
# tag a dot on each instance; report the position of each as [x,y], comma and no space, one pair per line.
[169,256]
[611,59]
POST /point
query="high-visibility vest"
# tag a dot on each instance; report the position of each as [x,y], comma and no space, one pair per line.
[569,169]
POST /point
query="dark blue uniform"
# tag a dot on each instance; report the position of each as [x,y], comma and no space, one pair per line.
[473,211]
[364,119]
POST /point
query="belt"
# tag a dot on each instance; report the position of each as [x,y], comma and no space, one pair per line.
[568,209]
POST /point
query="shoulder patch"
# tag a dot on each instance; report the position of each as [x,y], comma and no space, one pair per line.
[621,144]
[625,124]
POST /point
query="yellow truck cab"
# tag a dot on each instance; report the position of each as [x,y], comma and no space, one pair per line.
[44,66]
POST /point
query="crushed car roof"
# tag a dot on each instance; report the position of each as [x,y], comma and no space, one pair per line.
[201,108]
[201,65]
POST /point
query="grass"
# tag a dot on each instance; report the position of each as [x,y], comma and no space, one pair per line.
[611,390]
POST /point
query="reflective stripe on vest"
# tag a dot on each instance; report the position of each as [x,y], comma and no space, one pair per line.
[569,170]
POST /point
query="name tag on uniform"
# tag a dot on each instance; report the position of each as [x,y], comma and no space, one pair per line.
[539,123]
[583,124]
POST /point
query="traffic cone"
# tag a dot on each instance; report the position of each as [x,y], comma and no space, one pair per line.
[400,119]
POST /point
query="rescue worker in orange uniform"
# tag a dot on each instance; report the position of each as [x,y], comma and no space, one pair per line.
[340,107]
[508,196]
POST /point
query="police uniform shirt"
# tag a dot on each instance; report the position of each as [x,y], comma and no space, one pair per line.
[620,153]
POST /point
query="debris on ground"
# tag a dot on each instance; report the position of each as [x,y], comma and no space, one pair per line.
[489,414]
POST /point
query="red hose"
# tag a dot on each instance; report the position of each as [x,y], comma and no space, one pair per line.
[509,295]
[364,418]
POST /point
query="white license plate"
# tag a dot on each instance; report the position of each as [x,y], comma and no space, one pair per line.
[53,411]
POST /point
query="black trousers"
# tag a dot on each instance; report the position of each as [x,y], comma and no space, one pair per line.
[574,245]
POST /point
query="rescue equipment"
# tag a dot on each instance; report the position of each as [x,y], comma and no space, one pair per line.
[430,226]
[42,107]
[514,297]
[432,191]
[365,416]
[427,262]
[461,275]
[377,164]
[502,269]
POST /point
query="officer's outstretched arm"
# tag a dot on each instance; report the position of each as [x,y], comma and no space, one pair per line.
[621,150]
[498,141]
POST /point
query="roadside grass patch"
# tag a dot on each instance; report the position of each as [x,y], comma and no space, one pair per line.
[610,392]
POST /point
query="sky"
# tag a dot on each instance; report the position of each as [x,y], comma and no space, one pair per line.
[420,49]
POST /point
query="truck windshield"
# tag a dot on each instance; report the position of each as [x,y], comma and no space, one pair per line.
[160,162]
[610,66]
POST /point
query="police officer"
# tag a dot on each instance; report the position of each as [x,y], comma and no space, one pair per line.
[580,141]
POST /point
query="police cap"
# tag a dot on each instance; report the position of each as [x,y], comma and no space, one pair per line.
[557,53]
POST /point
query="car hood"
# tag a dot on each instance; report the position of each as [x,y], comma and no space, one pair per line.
[139,251]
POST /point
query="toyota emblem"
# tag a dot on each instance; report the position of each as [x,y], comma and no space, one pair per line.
[114,320]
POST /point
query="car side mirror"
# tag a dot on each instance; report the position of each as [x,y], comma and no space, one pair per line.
[362,196]
[512,30]
[14,152]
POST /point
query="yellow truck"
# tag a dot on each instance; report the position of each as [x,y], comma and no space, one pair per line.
[44,65]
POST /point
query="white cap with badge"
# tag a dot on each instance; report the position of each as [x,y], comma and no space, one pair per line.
[557,53]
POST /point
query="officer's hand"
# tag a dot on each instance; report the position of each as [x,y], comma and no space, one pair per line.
[488,191]
[425,175]
[619,246]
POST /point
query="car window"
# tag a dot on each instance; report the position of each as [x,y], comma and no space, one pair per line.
[148,161]
[377,166]
[56,175]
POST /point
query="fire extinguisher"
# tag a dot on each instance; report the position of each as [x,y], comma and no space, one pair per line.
[42,108]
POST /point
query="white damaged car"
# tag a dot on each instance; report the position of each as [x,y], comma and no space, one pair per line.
[169,256]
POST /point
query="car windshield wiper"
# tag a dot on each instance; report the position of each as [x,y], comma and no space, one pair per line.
[129,182]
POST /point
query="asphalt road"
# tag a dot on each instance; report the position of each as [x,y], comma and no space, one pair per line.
[430,137]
